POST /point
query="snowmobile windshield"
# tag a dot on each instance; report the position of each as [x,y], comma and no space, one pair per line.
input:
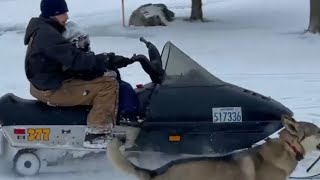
[182,71]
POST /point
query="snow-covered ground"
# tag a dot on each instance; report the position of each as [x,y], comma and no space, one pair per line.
[256,44]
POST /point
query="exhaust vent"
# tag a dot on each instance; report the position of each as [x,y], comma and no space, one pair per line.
[256,94]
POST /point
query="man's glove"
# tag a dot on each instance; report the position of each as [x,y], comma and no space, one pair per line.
[116,61]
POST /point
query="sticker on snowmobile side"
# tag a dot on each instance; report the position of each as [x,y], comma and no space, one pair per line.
[227,114]
[38,134]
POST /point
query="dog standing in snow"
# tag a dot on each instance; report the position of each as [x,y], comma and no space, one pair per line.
[275,159]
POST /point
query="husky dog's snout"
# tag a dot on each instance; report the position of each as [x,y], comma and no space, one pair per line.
[318,147]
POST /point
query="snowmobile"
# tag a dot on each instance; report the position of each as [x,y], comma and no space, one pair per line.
[184,110]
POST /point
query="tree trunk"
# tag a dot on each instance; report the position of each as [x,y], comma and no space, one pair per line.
[314,22]
[196,10]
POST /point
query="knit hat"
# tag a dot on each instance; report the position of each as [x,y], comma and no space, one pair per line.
[53,7]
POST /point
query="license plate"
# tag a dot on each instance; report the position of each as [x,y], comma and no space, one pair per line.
[227,114]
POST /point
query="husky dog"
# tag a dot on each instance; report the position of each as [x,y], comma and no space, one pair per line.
[275,159]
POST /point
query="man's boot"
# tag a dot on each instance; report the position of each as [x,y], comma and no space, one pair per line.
[97,138]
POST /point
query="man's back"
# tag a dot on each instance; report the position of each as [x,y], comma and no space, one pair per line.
[49,55]
[42,72]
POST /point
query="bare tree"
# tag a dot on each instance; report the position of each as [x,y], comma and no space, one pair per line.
[196,10]
[314,22]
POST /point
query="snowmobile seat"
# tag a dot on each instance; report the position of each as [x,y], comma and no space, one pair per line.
[18,111]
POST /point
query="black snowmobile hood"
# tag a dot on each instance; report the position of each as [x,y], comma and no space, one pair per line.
[37,22]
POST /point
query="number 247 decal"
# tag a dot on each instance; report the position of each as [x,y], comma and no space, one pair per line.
[38,134]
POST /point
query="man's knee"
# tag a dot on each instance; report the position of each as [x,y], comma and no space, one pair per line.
[104,79]
[109,83]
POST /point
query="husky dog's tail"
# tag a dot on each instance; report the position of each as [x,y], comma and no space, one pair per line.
[118,160]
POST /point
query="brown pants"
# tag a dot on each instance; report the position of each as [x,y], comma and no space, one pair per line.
[102,93]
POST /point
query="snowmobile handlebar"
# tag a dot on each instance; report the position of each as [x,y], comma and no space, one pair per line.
[152,50]
[153,65]
[142,39]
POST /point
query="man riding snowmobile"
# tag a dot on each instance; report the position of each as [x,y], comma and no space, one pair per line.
[68,74]
[128,99]
[50,57]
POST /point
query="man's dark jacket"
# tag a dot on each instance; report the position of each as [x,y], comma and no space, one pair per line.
[51,56]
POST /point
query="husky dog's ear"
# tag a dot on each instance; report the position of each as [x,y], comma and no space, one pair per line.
[291,125]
